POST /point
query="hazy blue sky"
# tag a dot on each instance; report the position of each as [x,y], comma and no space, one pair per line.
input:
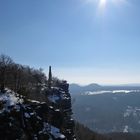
[84,40]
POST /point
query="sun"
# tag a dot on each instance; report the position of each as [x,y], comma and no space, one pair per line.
[102,3]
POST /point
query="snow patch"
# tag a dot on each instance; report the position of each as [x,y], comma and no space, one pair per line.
[134,111]
[110,91]
[52,130]
[10,99]
[26,115]
[125,129]
[33,101]
[53,98]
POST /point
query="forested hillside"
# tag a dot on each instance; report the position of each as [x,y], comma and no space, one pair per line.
[47,117]
[20,78]
[23,79]
[84,133]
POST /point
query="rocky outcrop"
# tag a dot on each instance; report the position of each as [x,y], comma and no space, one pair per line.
[25,119]
[59,100]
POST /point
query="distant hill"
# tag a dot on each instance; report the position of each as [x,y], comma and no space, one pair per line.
[77,89]
[93,87]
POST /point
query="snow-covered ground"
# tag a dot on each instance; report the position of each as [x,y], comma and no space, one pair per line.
[9,99]
[110,91]
[125,129]
[134,111]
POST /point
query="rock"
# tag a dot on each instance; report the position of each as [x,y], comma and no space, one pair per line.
[25,119]
[59,99]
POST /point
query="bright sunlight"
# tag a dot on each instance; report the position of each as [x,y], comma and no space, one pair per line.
[102,4]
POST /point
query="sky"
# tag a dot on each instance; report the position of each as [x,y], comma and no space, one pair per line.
[85,41]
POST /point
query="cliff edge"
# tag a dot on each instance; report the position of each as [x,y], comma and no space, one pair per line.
[26,119]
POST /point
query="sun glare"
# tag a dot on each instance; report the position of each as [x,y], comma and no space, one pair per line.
[102,2]
[102,7]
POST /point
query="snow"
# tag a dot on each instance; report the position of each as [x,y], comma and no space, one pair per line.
[57,109]
[64,97]
[26,115]
[110,91]
[39,118]
[56,132]
[125,129]
[42,89]
[96,92]
[32,114]
[134,111]
[51,107]
[52,130]
[122,91]
[17,107]
[53,98]
[33,101]
[10,99]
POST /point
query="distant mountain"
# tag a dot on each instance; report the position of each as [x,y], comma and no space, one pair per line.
[93,87]
[77,89]
[75,86]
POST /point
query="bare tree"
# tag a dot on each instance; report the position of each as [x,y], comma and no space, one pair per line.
[5,61]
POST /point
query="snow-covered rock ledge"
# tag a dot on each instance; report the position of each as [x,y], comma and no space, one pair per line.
[25,119]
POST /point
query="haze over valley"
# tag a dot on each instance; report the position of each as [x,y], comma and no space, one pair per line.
[107,109]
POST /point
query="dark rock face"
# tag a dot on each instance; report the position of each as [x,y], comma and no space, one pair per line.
[59,100]
[25,119]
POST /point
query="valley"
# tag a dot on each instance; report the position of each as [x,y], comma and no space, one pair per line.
[108,110]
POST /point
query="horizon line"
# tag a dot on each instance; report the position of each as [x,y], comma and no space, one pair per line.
[119,84]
